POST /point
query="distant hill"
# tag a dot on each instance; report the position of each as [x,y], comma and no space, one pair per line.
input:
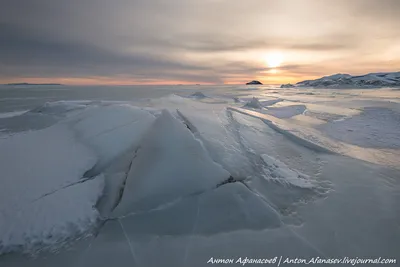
[371,80]
[254,82]
[28,84]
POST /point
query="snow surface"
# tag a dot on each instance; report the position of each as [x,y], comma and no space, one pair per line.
[12,114]
[111,129]
[285,112]
[360,131]
[52,199]
[34,207]
[254,103]
[185,178]
[199,95]
[280,172]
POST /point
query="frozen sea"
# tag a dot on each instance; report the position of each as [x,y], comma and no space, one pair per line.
[177,175]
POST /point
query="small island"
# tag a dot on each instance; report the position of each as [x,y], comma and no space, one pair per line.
[254,82]
[288,85]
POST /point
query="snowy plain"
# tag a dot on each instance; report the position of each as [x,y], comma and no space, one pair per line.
[175,175]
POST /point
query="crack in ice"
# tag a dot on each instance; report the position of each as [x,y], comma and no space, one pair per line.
[192,233]
[129,241]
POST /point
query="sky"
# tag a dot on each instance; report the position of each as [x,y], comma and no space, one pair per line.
[195,41]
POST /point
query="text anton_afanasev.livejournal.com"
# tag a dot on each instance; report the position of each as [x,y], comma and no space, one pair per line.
[278,261]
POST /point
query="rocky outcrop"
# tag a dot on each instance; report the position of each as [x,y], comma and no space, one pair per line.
[254,82]
[288,85]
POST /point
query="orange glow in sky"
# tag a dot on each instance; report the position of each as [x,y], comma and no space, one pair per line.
[196,42]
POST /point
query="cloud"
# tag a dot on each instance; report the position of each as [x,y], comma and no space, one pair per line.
[32,55]
[190,40]
[208,43]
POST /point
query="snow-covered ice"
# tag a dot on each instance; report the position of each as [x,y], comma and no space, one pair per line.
[170,164]
[361,129]
[175,176]
[280,172]
[110,130]
[254,103]
[41,198]
[12,114]
[198,95]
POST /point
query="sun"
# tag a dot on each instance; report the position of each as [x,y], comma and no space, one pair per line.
[274,60]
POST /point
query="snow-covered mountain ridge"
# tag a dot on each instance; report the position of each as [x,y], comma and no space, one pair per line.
[381,79]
